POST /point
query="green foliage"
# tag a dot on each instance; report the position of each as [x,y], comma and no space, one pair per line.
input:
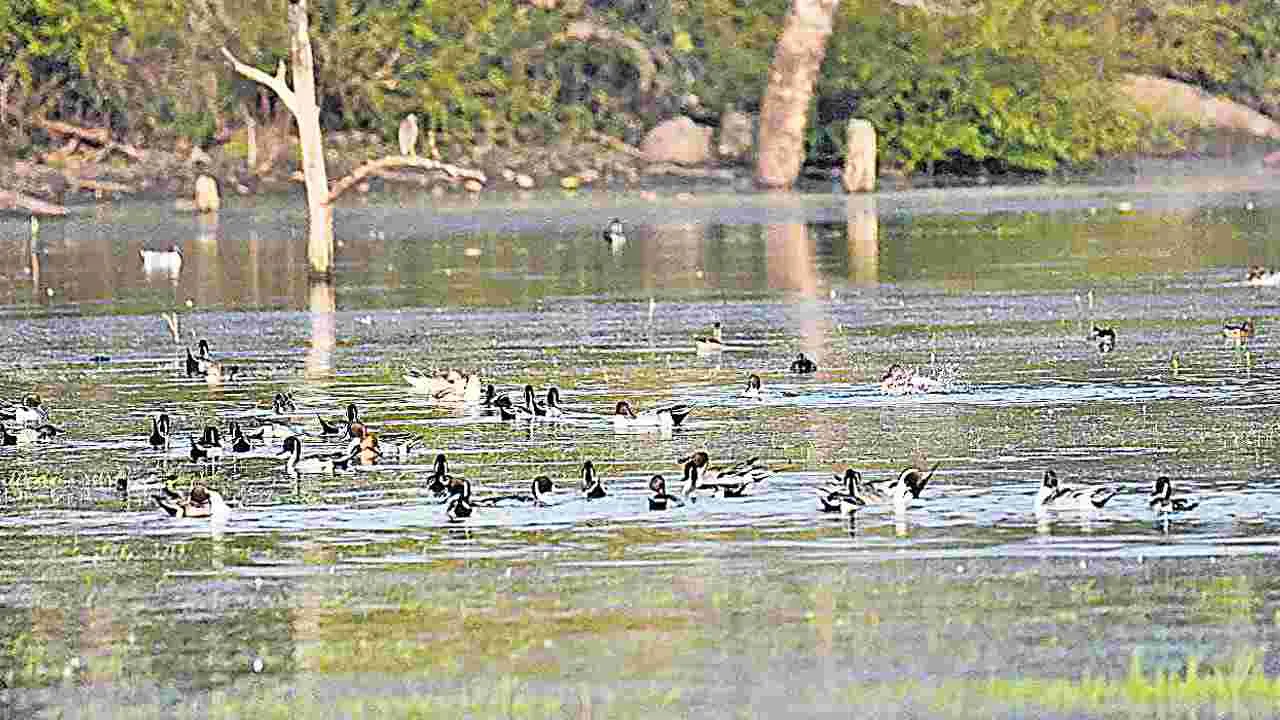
[1023,85]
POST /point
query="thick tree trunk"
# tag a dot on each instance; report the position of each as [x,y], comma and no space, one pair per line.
[785,110]
[301,101]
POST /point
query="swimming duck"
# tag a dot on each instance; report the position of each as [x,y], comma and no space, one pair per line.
[29,413]
[448,386]
[369,440]
[803,365]
[459,507]
[440,477]
[710,345]
[28,435]
[208,446]
[1240,332]
[553,409]
[199,502]
[490,394]
[753,389]
[312,464]
[1259,276]
[155,261]
[614,232]
[898,380]
[730,481]
[202,364]
[283,404]
[539,488]
[1051,496]
[842,497]
[239,443]
[592,485]
[666,417]
[1105,338]
[1164,503]
[659,499]
[160,429]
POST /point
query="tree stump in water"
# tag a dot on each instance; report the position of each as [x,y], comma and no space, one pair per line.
[207,199]
[860,157]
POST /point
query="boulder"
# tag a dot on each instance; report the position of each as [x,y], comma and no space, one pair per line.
[472,186]
[207,199]
[678,140]
[737,136]
[524,181]
[1180,102]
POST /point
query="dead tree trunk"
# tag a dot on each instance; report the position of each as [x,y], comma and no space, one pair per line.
[784,113]
[301,101]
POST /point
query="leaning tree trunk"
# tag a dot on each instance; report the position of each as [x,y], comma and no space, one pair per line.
[301,101]
[792,75]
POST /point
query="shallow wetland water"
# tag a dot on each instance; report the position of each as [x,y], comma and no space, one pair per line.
[350,595]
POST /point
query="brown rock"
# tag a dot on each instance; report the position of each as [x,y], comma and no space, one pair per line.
[524,181]
[678,140]
[737,136]
[472,186]
[1171,99]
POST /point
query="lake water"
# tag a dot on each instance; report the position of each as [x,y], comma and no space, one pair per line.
[352,595]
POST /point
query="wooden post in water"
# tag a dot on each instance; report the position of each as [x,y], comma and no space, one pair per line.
[860,156]
[301,101]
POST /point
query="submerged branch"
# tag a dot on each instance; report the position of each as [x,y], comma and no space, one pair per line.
[398,161]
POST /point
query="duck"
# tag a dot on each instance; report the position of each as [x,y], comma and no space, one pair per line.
[208,446]
[659,498]
[1259,276]
[898,380]
[1052,496]
[296,464]
[710,345]
[1240,332]
[539,488]
[239,443]
[156,261]
[29,413]
[842,497]
[29,435]
[440,477]
[802,365]
[592,485]
[283,404]
[553,409]
[754,389]
[1164,503]
[729,481]
[899,491]
[448,386]
[6,437]
[1105,338]
[615,233]
[666,417]
[369,440]
[202,364]
[160,429]
[199,502]
[459,507]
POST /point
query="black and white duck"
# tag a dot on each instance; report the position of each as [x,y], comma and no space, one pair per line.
[803,365]
[659,498]
[325,464]
[459,507]
[666,417]
[729,481]
[208,446]
[712,345]
[1053,496]
[1163,501]
[592,485]
[1104,337]
[160,431]
[842,497]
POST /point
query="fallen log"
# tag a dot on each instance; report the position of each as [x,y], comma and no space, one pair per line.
[399,161]
[11,200]
[97,136]
[672,169]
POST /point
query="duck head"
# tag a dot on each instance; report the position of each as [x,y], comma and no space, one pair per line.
[203,349]
[753,382]
[441,467]
[292,448]
[489,393]
[852,481]
[588,475]
[1163,489]
[542,485]
[623,408]
[353,414]
[1050,479]
[658,485]
[529,400]
[211,437]
[553,397]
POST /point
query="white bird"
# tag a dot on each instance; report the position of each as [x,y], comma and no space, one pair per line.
[729,481]
[447,386]
[1164,503]
[161,261]
[710,345]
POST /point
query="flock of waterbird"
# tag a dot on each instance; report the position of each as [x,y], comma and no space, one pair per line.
[253,434]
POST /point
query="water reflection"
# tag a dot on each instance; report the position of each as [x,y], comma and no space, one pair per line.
[323,303]
[863,233]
